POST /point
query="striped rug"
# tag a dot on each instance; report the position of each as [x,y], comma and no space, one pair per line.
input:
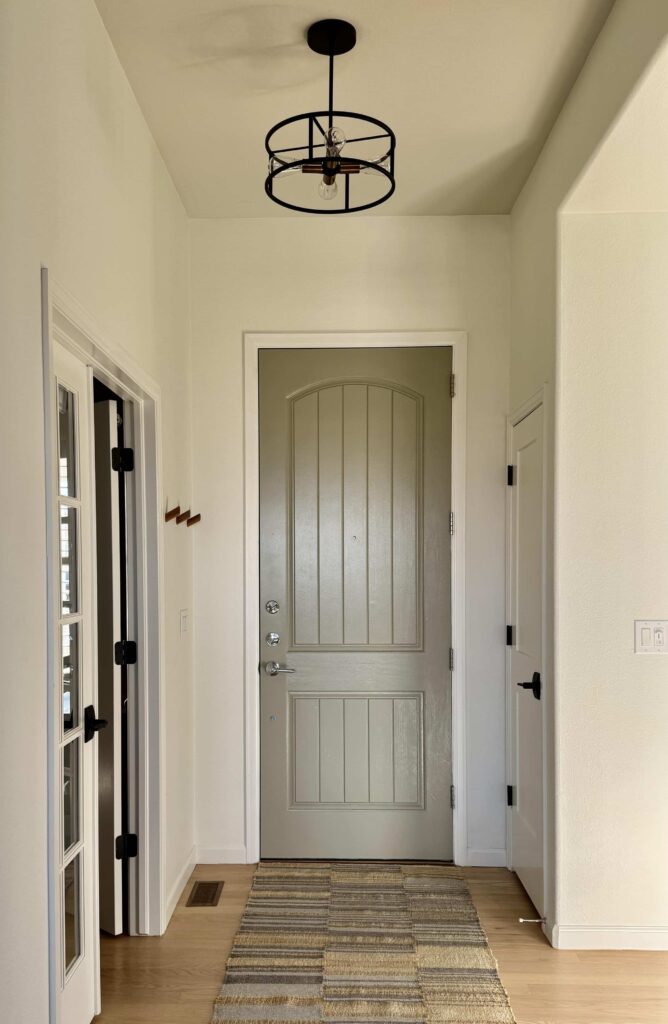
[360,942]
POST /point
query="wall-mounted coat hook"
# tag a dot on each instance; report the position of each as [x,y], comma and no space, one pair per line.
[172,514]
[193,520]
[183,516]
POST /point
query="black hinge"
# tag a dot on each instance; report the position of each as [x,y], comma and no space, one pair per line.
[511,476]
[452,797]
[452,385]
[510,796]
[509,636]
[125,652]
[122,460]
[127,846]
[451,659]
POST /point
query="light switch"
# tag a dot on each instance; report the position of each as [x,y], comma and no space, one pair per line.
[183,621]
[651,636]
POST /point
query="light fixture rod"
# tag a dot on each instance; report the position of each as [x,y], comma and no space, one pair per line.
[331,90]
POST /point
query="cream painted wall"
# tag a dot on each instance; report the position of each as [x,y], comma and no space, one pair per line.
[628,41]
[83,191]
[612,563]
[363,274]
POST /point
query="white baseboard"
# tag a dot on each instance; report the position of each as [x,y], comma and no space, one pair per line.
[221,854]
[609,936]
[486,858]
[180,884]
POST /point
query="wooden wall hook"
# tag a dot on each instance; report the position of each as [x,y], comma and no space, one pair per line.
[172,514]
[193,520]
[183,516]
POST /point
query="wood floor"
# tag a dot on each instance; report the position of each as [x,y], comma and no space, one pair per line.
[174,979]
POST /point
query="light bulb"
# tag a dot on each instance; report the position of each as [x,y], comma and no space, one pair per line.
[335,139]
[326,191]
[284,166]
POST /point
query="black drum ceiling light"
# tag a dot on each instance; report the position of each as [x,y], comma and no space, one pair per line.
[309,146]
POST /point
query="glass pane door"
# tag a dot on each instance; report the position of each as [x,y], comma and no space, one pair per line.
[75,797]
[69,509]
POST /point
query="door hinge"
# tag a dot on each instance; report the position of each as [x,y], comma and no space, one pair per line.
[125,652]
[452,523]
[510,796]
[122,460]
[510,475]
[452,797]
[451,658]
[452,385]
[127,846]
[509,636]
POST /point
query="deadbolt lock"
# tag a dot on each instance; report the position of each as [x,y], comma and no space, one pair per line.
[272,639]
[272,607]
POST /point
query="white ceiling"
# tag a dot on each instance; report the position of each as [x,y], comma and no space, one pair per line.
[470,87]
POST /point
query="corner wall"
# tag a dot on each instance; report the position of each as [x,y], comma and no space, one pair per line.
[625,47]
[85,193]
[333,274]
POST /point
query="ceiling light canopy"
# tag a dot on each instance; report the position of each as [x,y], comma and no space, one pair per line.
[330,161]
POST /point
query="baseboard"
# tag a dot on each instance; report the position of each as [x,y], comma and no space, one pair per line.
[486,858]
[221,854]
[609,936]
[180,884]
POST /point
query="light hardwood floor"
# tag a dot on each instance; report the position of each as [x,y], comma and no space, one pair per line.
[174,979]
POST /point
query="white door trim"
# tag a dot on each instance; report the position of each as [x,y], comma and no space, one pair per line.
[66,322]
[539,399]
[252,343]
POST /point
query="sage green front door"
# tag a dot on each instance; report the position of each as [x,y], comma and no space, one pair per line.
[355,603]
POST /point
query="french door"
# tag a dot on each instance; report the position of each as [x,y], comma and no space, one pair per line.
[75,727]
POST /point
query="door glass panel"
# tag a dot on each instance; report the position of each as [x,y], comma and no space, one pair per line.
[66,443]
[70,794]
[72,910]
[68,560]
[70,675]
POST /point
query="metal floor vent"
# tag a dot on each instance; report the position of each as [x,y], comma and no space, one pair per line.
[205,894]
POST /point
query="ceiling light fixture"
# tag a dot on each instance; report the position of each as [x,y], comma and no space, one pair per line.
[312,143]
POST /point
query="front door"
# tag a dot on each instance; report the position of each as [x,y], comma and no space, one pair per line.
[355,603]
[526,653]
[75,746]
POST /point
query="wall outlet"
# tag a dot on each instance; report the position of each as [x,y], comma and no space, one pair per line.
[183,621]
[651,636]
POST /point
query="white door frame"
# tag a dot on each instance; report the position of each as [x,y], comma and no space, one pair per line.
[252,344]
[65,322]
[540,398]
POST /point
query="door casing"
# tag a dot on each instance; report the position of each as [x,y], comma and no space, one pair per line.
[65,322]
[253,342]
[540,398]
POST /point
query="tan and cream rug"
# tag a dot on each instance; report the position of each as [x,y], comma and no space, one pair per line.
[361,942]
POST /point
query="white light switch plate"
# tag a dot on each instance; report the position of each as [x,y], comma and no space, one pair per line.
[651,636]
[183,621]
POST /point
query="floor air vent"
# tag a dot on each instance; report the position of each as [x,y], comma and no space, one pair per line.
[205,894]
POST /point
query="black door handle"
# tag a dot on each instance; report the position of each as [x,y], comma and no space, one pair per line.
[535,685]
[92,724]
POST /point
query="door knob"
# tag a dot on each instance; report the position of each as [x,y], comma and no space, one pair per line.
[535,685]
[272,668]
[92,724]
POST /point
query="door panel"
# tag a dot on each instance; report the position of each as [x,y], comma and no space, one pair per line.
[74,678]
[526,582]
[354,478]
[108,672]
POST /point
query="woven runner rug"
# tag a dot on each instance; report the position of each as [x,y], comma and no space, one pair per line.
[360,942]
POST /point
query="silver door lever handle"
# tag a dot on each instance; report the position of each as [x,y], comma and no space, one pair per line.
[272,668]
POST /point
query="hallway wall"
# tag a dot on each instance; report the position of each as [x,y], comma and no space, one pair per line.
[334,274]
[633,33]
[85,193]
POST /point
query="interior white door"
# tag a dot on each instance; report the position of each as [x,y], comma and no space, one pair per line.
[75,728]
[355,602]
[109,680]
[526,654]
